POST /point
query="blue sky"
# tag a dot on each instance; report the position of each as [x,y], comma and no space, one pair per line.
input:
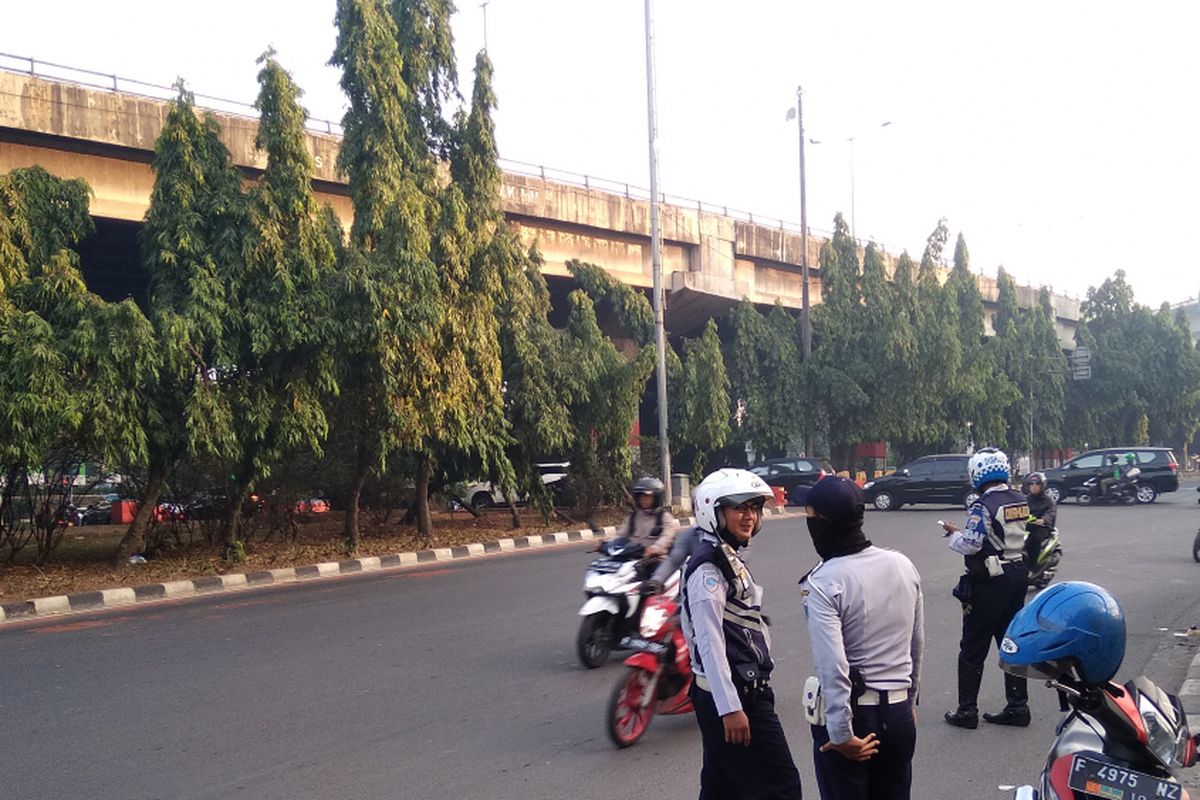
[1058,137]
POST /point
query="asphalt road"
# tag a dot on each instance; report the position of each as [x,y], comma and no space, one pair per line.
[460,681]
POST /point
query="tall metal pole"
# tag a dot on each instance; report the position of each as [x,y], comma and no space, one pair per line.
[484,7]
[805,322]
[660,341]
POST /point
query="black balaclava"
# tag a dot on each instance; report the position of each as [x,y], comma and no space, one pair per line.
[834,539]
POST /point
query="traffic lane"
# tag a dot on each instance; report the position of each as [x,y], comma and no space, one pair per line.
[526,721]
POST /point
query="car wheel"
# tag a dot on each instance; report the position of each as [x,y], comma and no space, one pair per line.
[481,500]
[1084,498]
[884,501]
[970,498]
[1146,493]
[1055,493]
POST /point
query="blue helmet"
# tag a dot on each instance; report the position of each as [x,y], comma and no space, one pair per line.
[1069,625]
[988,466]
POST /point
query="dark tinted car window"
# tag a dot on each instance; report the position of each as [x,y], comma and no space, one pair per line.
[950,468]
[782,469]
[920,469]
[1150,456]
[1088,462]
[806,466]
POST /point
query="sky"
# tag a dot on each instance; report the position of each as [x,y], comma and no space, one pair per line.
[1057,137]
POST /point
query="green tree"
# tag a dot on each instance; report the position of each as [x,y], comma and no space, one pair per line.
[535,400]
[763,363]
[65,358]
[605,389]
[1044,373]
[833,381]
[190,247]
[388,287]
[704,418]
[284,368]
[981,392]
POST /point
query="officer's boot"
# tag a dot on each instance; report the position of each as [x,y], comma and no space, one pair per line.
[1016,711]
[967,714]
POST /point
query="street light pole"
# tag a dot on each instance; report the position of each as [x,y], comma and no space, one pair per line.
[660,342]
[805,321]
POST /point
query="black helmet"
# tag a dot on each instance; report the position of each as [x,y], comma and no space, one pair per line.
[651,486]
[1035,478]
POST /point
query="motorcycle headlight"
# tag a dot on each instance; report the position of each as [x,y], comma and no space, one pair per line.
[653,620]
[1167,741]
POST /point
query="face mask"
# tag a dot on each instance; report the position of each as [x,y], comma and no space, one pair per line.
[833,540]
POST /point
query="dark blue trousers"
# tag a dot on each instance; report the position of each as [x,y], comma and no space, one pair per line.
[762,770]
[885,776]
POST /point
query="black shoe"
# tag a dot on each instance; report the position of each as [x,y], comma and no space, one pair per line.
[1017,717]
[963,719]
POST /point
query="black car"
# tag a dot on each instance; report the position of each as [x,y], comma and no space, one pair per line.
[788,473]
[940,479]
[1160,472]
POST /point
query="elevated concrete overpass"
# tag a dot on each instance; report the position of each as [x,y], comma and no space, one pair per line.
[711,258]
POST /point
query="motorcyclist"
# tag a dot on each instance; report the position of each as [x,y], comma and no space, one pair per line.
[1043,514]
[650,524]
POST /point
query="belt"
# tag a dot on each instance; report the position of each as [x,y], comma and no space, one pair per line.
[880,697]
[738,684]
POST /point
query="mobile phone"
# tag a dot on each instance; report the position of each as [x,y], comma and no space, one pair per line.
[941,523]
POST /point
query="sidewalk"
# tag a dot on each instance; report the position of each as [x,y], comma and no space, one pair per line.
[136,595]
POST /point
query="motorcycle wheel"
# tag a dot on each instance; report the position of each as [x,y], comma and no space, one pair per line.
[1196,548]
[594,642]
[627,720]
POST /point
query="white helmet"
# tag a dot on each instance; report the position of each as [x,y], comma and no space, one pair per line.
[987,466]
[726,487]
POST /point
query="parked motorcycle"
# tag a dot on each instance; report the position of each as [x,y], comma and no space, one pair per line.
[1127,491]
[610,613]
[1116,741]
[658,675]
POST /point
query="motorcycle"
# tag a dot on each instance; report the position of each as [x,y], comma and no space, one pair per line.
[1043,565]
[613,604]
[1117,741]
[1125,491]
[659,674]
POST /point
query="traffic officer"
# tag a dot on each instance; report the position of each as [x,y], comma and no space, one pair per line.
[866,621]
[746,754]
[993,589]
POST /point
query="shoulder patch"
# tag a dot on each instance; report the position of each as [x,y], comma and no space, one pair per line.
[711,583]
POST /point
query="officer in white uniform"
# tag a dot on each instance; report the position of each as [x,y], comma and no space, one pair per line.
[746,754]
[866,620]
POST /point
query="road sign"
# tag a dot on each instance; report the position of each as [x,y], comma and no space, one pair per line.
[1083,373]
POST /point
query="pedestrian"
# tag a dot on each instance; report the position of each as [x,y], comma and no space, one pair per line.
[866,622]
[746,754]
[993,589]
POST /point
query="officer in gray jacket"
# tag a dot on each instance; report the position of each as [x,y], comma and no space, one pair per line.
[866,621]
[746,754]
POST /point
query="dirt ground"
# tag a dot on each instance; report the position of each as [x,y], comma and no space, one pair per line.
[80,563]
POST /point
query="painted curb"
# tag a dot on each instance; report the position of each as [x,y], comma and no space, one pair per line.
[209,584]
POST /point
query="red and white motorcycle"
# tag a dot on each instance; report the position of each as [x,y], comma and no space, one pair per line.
[658,675]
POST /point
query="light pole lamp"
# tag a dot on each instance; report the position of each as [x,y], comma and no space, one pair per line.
[797,113]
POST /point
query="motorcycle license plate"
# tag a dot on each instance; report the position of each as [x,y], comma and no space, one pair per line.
[1118,783]
[643,645]
[606,565]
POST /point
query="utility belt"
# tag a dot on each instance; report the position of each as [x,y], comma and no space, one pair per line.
[747,679]
[860,695]
[993,566]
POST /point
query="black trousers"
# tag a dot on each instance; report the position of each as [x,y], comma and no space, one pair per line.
[993,604]
[885,776]
[762,770]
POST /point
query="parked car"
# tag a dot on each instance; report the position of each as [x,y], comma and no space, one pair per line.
[1160,472]
[482,494]
[312,505]
[788,473]
[939,479]
[100,512]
